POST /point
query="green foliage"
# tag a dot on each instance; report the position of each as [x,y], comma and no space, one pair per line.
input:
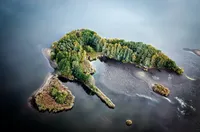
[88,49]
[54,91]
[78,73]
[59,96]
[70,52]
[60,55]
[159,88]
[179,71]
[64,67]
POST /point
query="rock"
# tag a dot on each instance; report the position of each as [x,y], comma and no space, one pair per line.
[129,122]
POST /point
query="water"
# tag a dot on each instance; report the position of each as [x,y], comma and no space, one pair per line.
[28,26]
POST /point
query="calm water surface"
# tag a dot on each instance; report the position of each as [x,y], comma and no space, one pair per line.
[28,26]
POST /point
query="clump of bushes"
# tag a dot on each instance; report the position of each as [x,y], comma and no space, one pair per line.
[162,90]
[59,96]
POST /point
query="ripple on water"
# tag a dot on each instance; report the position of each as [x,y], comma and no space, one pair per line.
[192,79]
[155,78]
[147,97]
[184,107]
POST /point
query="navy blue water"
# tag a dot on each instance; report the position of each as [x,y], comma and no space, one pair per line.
[28,26]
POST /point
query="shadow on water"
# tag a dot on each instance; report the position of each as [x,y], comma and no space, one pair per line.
[32,103]
[86,89]
[63,79]
[150,71]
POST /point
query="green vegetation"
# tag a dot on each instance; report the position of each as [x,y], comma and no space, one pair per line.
[54,97]
[59,96]
[78,46]
[162,90]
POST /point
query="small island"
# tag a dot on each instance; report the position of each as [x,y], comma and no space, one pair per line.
[160,89]
[195,51]
[71,55]
[53,96]
[129,122]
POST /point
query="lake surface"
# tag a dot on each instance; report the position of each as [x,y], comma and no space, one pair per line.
[26,27]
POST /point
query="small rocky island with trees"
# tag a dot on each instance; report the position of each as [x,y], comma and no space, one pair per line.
[71,56]
[160,89]
[52,96]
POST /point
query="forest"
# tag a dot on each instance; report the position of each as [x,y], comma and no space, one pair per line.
[74,47]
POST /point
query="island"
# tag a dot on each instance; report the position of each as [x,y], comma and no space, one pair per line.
[71,55]
[52,96]
[129,122]
[160,89]
[195,51]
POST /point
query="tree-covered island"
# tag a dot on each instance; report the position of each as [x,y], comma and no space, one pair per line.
[71,56]
[160,89]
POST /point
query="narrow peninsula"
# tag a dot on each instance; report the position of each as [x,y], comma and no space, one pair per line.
[71,55]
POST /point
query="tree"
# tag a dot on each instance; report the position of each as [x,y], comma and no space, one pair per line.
[179,70]
[70,52]
[59,56]
[59,96]
[64,67]
[170,64]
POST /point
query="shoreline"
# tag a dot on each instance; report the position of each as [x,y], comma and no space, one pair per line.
[47,78]
[146,69]
[47,54]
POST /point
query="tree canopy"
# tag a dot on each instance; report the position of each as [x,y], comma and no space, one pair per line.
[71,50]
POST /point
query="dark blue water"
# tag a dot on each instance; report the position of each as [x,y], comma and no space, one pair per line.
[28,26]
